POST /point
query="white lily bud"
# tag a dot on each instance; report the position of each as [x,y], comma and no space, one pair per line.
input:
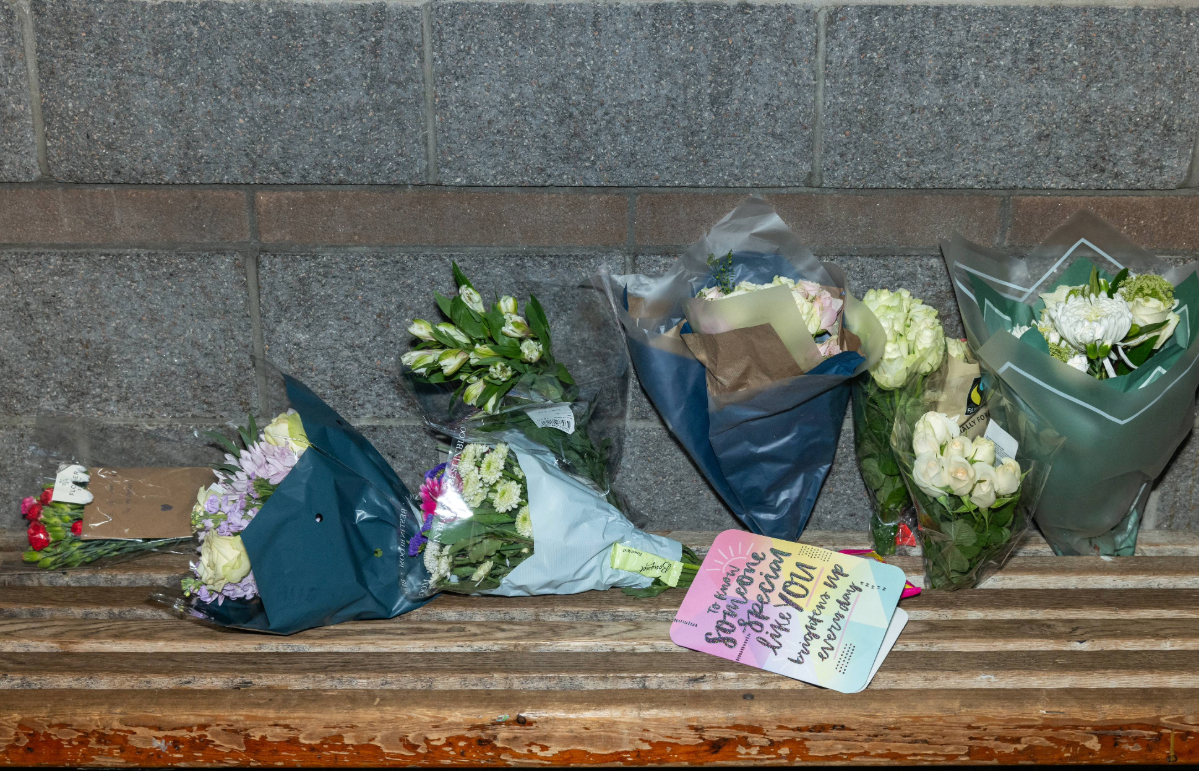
[455,334]
[451,360]
[515,326]
[422,329]
[471,298]
[507,305]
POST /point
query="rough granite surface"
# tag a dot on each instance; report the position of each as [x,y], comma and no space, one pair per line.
[623,93]
[18,152]
[232,92]
[131,334]
[339,321]
[1010,97]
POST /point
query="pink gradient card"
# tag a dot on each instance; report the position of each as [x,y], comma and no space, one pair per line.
[808,613]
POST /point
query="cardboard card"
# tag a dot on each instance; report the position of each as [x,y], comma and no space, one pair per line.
[807,613]
[142,502]
[898,622]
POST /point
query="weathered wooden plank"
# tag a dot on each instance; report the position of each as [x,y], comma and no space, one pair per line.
[431,728]
[676,669]
[424,637]
[613,606]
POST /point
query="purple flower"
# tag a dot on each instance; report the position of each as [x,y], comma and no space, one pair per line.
[415,543]
[212,505]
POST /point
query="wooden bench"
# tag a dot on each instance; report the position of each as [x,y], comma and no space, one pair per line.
[1054,659]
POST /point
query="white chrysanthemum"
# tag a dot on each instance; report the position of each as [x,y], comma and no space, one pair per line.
[501,450]
[506,495]
[445,563]
[517,471]
[482,572]
[471,453]
[1085,320]
[492,467]
[474,492]
[524,522]
[432,553]
[1019,330]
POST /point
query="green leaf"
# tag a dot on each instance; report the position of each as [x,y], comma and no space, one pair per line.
[459,277]
[443,302]
[444,339]
[467,319]
[564,375]
[887,464]
[484,549]
[223,442]
[957,562]
[960,532]
[1116,282]
[1094,282]
[873,478]
[538,322]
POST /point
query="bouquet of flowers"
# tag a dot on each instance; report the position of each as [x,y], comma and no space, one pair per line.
[974,497]
[915,348]
[489,369]
[55,531]
[1101,351]
[745,347]
[505,519]
[304,526]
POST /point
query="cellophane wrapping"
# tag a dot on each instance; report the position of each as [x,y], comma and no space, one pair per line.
[1119,433]
[765,450]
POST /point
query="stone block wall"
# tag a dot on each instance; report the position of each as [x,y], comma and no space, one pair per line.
[184,183]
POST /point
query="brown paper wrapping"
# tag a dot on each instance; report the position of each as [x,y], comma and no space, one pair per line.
[960,397]
[751,357]
[142,502]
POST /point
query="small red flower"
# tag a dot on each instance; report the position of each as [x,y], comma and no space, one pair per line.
[47,496]
[38,537]
[77,527]
[35,512]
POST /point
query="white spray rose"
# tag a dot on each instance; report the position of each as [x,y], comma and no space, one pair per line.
[287,430]
[455,334]
[929,474]
[941,426]
[422,329]
[471,298]
[1079,362]
[1007,477]
[960,446]
[421,361]
[983,493]
[223,560]
[924,439]
[1057,296]
[957,349]
[530,351]
[984,451]
[960,474]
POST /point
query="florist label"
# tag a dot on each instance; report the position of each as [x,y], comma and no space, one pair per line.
[559,416]
[807,613]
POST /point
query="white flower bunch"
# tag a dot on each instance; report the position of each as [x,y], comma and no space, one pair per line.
[915,339]
[949,463]
[820,310]
[1106,328]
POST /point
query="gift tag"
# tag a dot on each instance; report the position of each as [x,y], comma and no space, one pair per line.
[558,416]
[637,561]
[807,613]
[67,485]
[1005,444]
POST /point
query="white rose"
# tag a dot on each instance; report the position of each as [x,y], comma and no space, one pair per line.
[924,439]
[223,560]
[1166,331]
[1149,310]
[960,474]
[809,312]
[287,430]
[983,493]
[891,371]
[957,349]
[471,298]
[984,451]
[1055,297]
[1079,362]
[928,342]
[942,427]
[960,446]
[1007,477]
[929,474]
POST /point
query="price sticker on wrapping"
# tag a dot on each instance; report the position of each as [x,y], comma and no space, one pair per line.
[1005,444]
[558,416]
[651,565]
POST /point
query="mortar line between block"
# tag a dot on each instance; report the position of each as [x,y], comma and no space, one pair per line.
[1005,220]
[252,215]
[1192,177]
[816,175]
[258,340]
[25,12]
[431,171]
